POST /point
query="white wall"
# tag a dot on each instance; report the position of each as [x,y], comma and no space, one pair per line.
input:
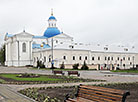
[59,53]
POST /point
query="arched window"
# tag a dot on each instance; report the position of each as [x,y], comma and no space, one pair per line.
[86,58]
[34,59]
[118,58]
[24,47]
[64,57]
[56,41]
[44,59]
[129,58]
[112,58]
[108,58]
[98,58]
[73,57]
[105,58]
[80,58]
[93,58]
[49,59]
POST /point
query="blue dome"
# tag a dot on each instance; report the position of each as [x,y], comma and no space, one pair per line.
[52,17]
[50,32]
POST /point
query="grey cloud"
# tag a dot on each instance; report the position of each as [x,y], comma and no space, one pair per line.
[101,21]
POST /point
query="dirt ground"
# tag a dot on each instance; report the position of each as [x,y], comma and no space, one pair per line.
[132,88]
[60,92]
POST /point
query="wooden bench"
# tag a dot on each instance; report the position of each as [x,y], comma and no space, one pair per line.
[57,72]
[73,73]
[88,93]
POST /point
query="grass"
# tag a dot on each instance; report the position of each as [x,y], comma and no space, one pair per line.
[1,80]
[47,79]
[41,78]
[127,71]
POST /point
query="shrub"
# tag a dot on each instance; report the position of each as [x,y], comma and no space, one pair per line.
[40,64]
[75,66]
[26,75]
[84,66]
[2,54]
[62,66]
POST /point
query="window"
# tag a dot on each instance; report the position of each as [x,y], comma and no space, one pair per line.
[125,49]
[80,58]
[124,65]
[117,64]
[98,58]
[73,57]
[64,57]
[44,59]
[24,47]
[118,58]
[108,58]
[105,58]
[56,41]
[130,63]
[105,48]
[112,58]
[34,59]
[49,59]
[86,58]
[93,58]
[129,58]
[43,43]
[123,58]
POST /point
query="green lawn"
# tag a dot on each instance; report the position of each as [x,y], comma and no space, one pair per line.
[41,78]
[127,71]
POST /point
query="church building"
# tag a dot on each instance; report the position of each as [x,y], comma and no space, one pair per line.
[55,47]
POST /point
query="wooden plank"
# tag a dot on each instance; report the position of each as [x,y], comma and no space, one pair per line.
[72,100]
[80,99]
[100,92]
[100,95]
[121,92]
[93,98]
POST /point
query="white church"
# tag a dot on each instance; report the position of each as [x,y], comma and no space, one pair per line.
[55,47]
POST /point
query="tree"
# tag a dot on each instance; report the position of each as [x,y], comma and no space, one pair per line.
[75,66]
[84,66]
[62,66]
[40,64]
[2,54]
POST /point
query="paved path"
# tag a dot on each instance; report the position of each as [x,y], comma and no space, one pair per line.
[8,95]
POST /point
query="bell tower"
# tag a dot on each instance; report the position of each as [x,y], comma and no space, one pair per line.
[52,20]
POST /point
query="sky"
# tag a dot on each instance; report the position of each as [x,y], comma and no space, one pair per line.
[87,21]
